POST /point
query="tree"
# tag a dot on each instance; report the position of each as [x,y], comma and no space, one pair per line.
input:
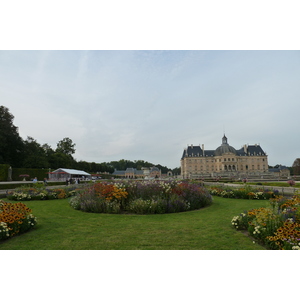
[66,146]
[34,154]
[176,171]
[296,166]
[11,144]
[61,160]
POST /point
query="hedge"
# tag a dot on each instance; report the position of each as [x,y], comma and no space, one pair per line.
[4,172]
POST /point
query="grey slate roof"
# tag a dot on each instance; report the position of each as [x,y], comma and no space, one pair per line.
[280,168]
[192,151]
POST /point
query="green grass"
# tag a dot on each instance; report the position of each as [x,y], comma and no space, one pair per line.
[60,227]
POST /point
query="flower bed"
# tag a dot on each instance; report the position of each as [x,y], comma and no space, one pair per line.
[40,193]
[276,227]
[15,218]
[246,192]
[147,197]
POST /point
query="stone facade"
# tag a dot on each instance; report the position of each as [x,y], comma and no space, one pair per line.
[225,161]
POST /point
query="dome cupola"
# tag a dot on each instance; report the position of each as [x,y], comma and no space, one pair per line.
[224,148]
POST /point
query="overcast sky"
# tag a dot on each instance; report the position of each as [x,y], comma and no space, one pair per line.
[150,105]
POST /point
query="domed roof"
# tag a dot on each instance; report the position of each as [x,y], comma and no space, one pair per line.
[224,148]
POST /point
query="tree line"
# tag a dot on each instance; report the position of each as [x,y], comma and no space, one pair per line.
[28,153]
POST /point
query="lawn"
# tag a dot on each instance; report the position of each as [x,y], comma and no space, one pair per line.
[60,227]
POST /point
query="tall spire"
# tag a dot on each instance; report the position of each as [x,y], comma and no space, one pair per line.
[224,139]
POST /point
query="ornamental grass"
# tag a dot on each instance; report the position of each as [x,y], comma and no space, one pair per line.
[141,197]
[276,226]
[15,218]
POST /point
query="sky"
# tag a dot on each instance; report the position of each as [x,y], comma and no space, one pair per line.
[150,105]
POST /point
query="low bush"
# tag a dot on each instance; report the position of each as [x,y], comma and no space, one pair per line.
[277,226]
[15,218]
[40,192]
[147,197]
[246,192]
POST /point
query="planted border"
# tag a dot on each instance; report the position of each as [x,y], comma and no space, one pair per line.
[39,192]
[15,218]
[246,192]
[276,226]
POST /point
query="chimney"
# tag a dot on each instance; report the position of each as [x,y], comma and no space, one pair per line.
[203,149]
[245,148]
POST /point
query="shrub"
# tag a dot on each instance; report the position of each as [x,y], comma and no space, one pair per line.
[15,218]
[147,197]
[39,192]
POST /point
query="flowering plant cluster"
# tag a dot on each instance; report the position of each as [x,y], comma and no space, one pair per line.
[40,193]
[142,197]
[246,192]
[15,218]
[277,226]
[291,182]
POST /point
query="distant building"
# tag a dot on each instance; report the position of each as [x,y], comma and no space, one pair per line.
[64,174]
[146,173]
[196,162]
[281,171]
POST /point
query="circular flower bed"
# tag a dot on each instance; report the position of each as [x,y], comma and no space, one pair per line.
[141,197]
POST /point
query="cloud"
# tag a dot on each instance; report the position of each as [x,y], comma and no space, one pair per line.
[149,104]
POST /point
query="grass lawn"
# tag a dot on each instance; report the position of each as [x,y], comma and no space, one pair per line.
[60,227]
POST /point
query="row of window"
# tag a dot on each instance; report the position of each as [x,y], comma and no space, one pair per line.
[216,160]
[226,168]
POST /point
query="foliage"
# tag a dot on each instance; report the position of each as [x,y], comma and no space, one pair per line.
[11,146]
[143,197]
[3,172]
[246,192]
[15,218]
[39,173]
[277,226]
[34,154]
[123,164]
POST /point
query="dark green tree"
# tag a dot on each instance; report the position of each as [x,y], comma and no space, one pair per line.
[34,154]
[11,144]
[66,146]
[176,171]
[61,160]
